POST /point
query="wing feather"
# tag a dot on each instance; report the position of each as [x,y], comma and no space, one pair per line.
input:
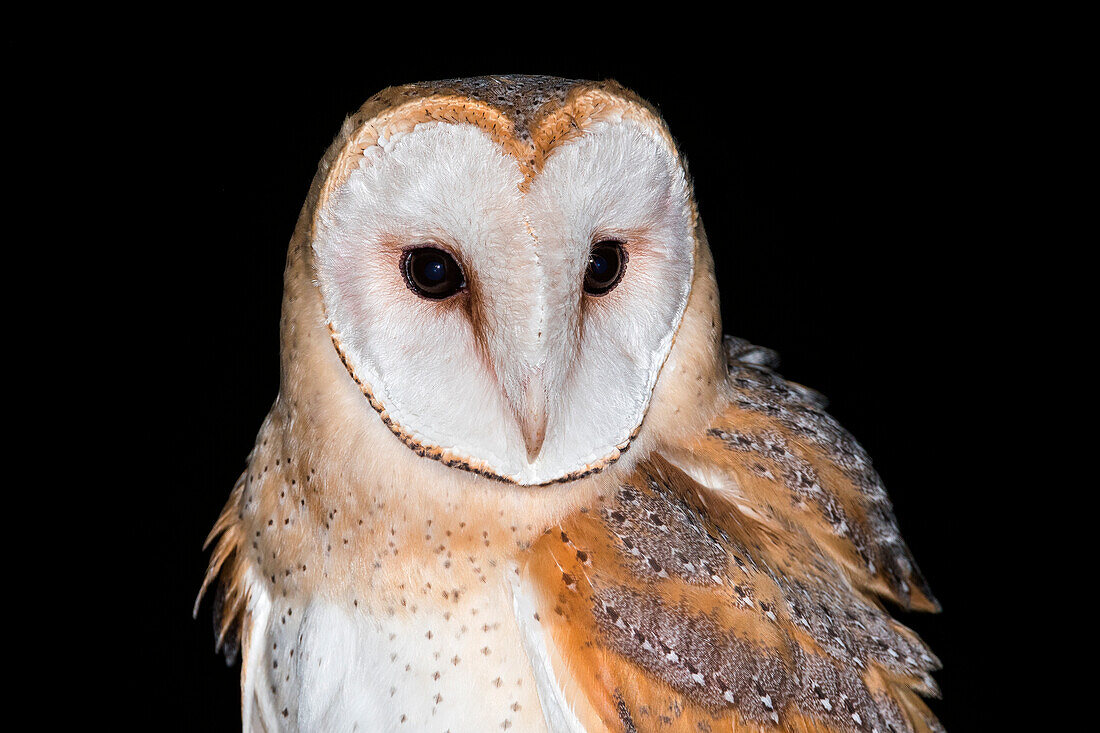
[802,467]
[736,581]
[226,572]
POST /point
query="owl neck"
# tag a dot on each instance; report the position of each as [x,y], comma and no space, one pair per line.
[344,511]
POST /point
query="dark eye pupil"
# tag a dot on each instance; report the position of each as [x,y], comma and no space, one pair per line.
[435,271]
[606,263]
[599,265]
[432,273]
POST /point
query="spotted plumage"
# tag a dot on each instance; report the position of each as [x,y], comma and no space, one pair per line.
[555,490]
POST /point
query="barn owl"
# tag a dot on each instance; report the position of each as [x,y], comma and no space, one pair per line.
[515,477]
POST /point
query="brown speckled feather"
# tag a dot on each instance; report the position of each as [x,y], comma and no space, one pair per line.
[671,605]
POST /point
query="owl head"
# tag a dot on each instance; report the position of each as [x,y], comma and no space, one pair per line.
[512,274]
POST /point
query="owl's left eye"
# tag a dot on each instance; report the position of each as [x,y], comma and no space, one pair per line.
[606,263]
[432,273]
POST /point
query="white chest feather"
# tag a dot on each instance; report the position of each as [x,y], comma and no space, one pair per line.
[326,666]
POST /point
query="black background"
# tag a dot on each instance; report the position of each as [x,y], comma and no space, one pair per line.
[840,191]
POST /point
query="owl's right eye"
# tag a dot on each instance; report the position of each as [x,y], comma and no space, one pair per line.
[432,273]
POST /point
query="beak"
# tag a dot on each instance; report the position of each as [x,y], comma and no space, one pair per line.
[530,411]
